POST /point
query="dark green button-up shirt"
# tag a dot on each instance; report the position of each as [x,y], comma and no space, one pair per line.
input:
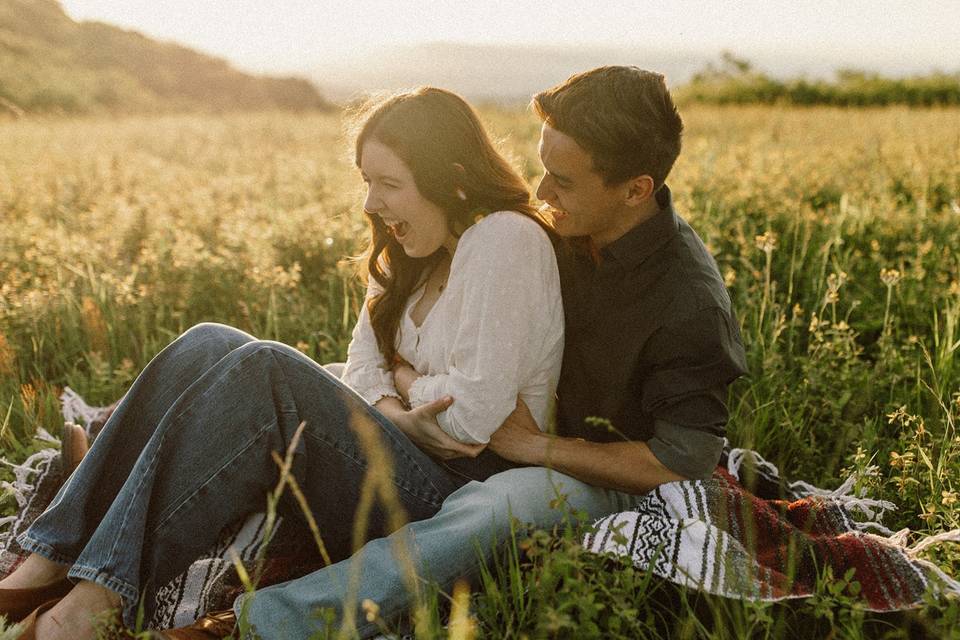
[651,343]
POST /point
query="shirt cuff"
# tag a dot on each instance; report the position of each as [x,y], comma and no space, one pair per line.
[373,395]
[688,452]
[426,389]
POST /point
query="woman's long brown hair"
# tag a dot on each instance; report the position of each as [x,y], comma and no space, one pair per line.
[441,140]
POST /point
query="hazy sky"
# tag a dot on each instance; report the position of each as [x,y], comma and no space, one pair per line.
[291,35]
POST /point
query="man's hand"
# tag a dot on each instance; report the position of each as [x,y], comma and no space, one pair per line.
[519,439]
[420,425]
[403,377]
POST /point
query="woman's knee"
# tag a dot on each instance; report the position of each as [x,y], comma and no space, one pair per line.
[214,332]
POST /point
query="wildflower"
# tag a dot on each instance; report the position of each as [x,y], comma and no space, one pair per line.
[874,245]
[949,498]
[462,627]
[370,609]
[766,242]
[859,456]
[921,429]
[901,461]
[929,513]
[816,324]
[834,282]
[899,414]
[729,277]
[303,346]
[890,277]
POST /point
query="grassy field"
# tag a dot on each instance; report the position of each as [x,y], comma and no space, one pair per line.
[837,232]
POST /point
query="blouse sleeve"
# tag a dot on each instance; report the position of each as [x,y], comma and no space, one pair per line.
[510,316]
[366,371]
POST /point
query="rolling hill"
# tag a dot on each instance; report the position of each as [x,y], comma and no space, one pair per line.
[50,63]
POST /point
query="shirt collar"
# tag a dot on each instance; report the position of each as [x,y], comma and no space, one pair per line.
[642,241]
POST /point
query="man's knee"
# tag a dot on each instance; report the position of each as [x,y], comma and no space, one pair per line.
[531,495]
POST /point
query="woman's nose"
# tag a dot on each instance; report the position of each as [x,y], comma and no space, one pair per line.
[372,202]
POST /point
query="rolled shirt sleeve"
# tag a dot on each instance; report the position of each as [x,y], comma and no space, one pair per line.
[690,365]
[510,325]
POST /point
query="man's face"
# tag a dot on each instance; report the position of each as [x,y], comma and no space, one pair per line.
[579,201]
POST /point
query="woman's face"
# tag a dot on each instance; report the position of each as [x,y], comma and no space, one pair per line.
[418,225]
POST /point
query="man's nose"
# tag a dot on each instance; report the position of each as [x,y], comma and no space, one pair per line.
[544,190]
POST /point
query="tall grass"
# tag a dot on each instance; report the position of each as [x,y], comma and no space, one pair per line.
[837,233]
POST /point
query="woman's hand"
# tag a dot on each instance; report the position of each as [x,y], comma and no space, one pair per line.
[403,378]
[420,425]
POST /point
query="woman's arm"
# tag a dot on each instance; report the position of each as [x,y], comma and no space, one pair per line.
[366,371]
[510,324]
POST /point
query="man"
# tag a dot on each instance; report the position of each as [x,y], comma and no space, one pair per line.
[651,346]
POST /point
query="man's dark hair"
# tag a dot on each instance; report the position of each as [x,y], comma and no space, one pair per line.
[623,117]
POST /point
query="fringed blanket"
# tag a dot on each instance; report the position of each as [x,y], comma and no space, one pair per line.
[715,536]
[711,535]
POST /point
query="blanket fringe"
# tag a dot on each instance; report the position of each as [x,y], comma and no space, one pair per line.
[843,495]
[22,487]
[867,526]
[737,456]
[945,536]
[44,436]
[74,408]
[950,585]
[21,484]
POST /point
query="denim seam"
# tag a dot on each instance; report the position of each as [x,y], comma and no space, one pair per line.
[134,500]
[188,498]
[360,463]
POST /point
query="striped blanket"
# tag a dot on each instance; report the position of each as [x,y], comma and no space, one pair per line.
[769,543]
[774,542]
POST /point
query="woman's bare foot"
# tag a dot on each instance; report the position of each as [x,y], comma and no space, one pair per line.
[35,571]
[77,616]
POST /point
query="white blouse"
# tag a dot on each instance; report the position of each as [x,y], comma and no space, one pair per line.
[495,332]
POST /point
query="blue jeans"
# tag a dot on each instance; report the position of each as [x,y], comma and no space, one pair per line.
[188,452]
[452,544]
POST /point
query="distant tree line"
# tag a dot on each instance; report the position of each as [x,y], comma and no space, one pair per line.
[735,81]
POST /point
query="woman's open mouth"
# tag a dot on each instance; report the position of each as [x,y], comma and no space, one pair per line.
[399,229]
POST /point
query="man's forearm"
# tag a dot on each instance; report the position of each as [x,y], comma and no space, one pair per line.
[625,466]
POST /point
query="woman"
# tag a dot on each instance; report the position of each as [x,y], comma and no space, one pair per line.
[462,316]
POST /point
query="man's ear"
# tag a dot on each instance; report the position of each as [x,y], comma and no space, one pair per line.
[639,190]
